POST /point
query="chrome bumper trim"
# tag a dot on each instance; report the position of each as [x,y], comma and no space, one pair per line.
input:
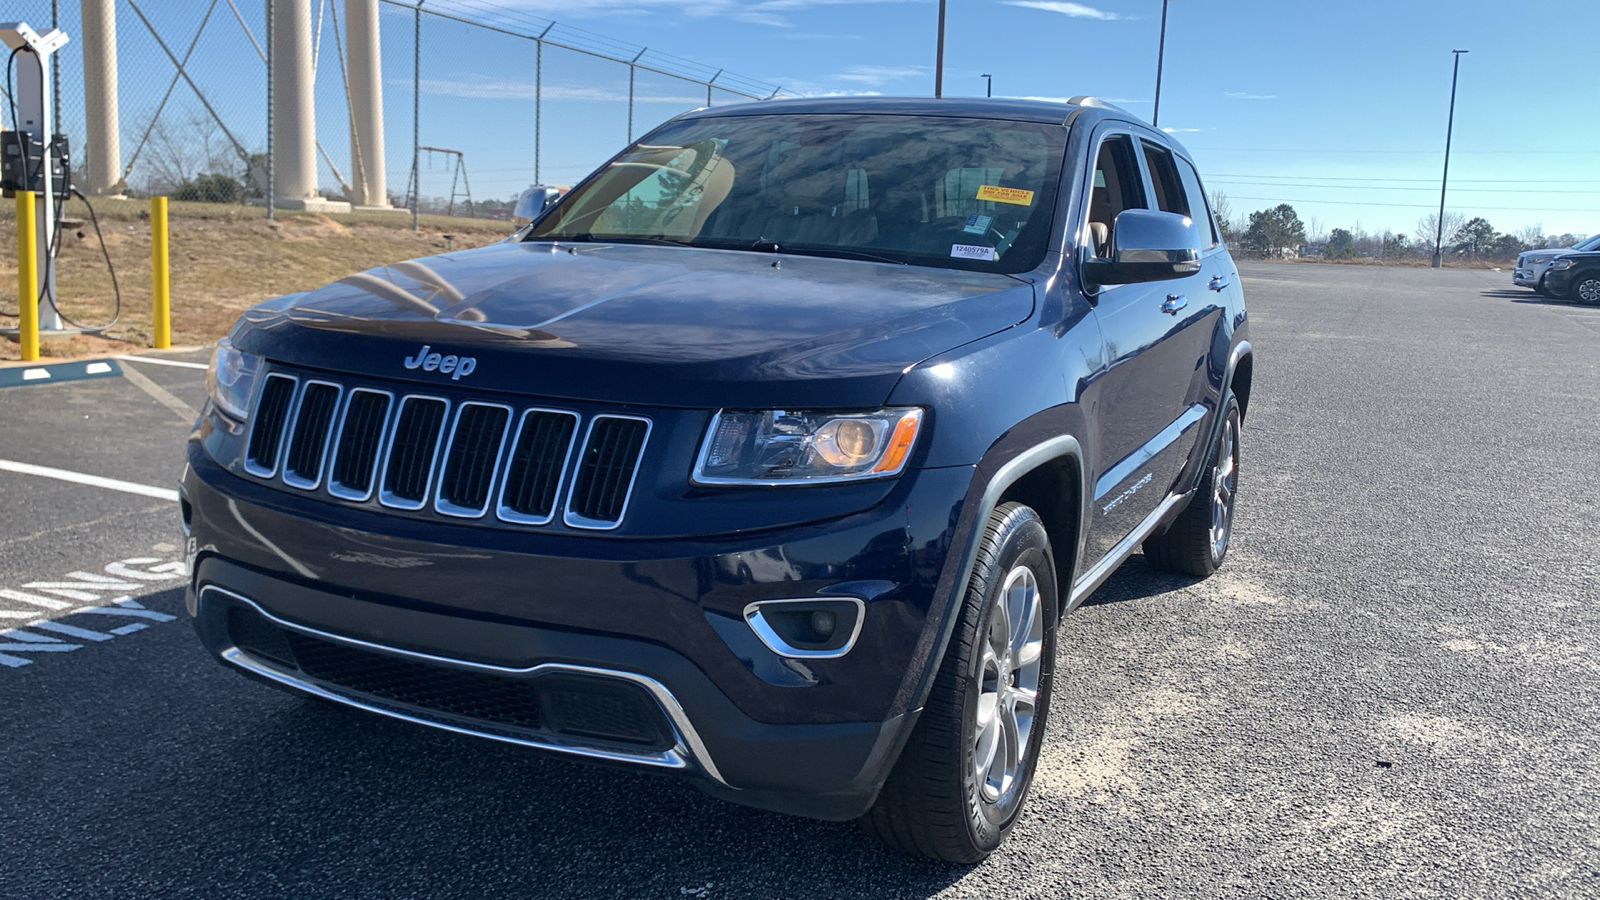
[689,750]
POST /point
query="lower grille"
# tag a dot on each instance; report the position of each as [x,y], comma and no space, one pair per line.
[591,708]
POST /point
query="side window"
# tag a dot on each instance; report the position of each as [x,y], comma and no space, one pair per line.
[1164,176]
[1200,206]
[1117,186]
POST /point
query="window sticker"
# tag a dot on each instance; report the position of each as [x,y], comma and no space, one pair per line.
[977,224]
[969,251]
[1014,196]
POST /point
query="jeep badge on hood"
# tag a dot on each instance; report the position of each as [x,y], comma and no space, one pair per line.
[457,367]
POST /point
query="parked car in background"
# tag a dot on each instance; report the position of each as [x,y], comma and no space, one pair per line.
[1575,277]
[770,455]
[1532,264]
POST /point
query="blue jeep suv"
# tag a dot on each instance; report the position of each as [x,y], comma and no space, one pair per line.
[770,455]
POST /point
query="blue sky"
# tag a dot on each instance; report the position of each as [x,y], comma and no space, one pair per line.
[1338,108]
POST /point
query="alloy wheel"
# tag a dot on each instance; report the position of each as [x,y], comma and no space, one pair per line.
[1008,688]
[1225,482]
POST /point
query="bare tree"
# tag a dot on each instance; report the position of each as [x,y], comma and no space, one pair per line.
[179,154]
[1428,227]
[1223,211]
[1532,235]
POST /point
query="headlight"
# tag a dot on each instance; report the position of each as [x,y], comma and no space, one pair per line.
[1563,264]
[785,447]
[232,378]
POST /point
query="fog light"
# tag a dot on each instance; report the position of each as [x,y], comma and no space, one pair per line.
[815,628]
[822,622]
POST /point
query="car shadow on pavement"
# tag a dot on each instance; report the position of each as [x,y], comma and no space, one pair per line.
[1136,579]
[1522,296]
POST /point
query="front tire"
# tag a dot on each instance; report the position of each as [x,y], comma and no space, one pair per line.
[961,781]
[1586,290]
[1197,542]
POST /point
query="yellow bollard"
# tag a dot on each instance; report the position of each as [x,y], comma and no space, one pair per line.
[160,289]
[27,277]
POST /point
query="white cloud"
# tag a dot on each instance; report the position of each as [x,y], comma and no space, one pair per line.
[877,76]
[1181,130]
[1241,95]
[1075,10]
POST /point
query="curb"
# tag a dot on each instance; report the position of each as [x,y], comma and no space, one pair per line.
[77,370]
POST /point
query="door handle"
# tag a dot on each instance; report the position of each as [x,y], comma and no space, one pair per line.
[1174,303]
[1219,282]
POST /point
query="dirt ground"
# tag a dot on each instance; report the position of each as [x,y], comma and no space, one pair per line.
[223,259]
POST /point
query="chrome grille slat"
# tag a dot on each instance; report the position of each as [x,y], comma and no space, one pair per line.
[539,455]
[606,472]
[471,459]
[309,429]
[357,442]
[413,451]
[265,443]
[459,458]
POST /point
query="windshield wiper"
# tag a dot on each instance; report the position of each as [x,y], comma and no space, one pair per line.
[840,253]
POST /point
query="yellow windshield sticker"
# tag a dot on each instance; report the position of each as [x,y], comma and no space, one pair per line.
[1016,196]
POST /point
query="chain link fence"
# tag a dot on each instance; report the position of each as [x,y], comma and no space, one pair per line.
[479,100]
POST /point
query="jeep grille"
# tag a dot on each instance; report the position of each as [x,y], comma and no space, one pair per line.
[468,459]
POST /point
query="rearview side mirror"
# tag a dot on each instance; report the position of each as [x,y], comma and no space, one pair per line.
[1147,245]
[532,202]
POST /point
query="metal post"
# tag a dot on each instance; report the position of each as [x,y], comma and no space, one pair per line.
[538,107]
[416,116]
[364,89]
[1444,182]
[271,159]
[633,69]
[160,286]
[710,83]
[27,278]
[1161,57]
[988,88]
[938,59]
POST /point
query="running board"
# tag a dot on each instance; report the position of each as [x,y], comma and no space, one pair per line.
[1102,570]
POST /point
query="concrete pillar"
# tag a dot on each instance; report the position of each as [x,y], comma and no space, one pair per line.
[367,182]
[102,138]
[294,127]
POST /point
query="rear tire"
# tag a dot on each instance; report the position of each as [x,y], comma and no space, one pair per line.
[964,775]
[1197,542]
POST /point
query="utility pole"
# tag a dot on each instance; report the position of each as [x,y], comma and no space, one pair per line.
[1161,56]
[988,90]
[938,63]
[1444,182]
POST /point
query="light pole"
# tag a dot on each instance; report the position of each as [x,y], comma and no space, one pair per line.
[1161,55]
[938,60]
[988,90]
[1444,182]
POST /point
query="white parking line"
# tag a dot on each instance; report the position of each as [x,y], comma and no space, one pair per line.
[129,487]
[18,645]
[163,362]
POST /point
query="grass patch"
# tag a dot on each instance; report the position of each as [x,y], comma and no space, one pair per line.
[224,258]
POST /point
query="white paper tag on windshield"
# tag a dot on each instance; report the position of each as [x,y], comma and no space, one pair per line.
[977,224]
[968,251]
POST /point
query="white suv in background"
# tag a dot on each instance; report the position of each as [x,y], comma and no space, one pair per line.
[1531,265]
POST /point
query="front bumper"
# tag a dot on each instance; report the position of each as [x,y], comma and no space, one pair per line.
[1524,278]
[808,737]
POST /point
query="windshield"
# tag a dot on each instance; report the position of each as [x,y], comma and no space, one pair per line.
[957,193]
[1593,243]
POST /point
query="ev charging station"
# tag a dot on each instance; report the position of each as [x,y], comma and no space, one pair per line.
[34,156]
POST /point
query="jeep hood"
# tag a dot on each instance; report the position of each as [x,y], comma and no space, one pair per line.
[616,323]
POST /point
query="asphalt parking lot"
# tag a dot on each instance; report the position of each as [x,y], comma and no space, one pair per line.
[1392,689]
